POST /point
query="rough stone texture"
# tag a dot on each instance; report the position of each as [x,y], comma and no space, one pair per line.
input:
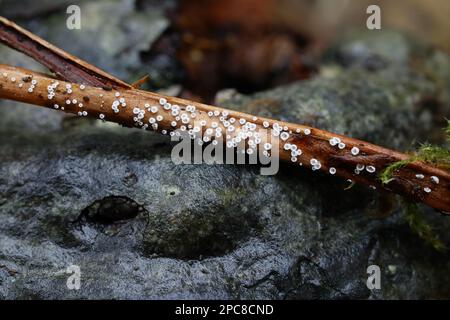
[110,200]
[113,32]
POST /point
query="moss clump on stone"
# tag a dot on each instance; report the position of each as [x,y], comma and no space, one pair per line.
[421,227]
[436,155]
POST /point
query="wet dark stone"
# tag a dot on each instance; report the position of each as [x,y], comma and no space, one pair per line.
[111,209]
[151,229]
[198,233]
[130,180]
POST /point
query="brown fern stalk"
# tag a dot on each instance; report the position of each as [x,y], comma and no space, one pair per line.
[91,92]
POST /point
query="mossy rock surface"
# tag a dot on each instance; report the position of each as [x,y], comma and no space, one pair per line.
[200,231]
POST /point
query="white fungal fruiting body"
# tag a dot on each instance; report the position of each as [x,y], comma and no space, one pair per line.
[370,169]
[284,136]
[354,151]
[434,179]
[334,141]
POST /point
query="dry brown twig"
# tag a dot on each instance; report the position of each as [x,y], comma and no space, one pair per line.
[88,91]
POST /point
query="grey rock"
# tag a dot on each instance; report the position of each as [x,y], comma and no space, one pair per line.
[111,201]
[29,9]
[113,32]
